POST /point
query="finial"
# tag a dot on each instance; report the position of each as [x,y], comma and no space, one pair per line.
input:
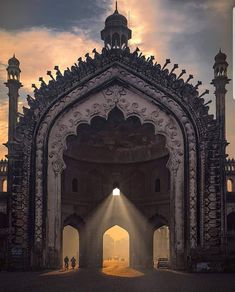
[176,66]
[204,93]
[181,74]
[168,61]
[14,55]
[116,10]
[189,78]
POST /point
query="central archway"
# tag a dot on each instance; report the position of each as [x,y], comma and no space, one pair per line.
[116,247]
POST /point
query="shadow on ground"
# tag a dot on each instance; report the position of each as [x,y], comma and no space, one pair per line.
[87,280]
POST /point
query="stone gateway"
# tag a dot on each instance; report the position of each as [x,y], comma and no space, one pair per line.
[117,119]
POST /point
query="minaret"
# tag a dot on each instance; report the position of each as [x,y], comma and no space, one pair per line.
[220,81]
[116,32]
[13,84]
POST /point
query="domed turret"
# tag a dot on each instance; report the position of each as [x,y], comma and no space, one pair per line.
[14,61]
[220,57]
[116,19]
[13,84]
[116,32]
[13,69]
[221,65]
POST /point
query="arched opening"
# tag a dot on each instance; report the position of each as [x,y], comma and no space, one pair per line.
[75,185]
[229,185]
[157,185]
[124,41]
[231,222]
[161,247]
[70,245]
[116,248]
[116,40]
[4,185]
[108,41]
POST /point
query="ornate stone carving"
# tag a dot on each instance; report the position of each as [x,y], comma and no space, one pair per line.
[101,104]
[128,108]
[180,100]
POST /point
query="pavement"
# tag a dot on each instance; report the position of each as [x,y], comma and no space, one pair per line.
[115,278]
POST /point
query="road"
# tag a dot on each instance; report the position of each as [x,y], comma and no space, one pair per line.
[115,278]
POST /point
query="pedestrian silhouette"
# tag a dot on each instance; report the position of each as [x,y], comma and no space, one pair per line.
[73,262]
[66,262]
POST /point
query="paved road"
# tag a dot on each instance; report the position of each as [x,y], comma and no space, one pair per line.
[96,281]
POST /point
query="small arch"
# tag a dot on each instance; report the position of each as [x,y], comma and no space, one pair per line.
[231,222]
[70,244]
[75,185]
[116,40]
[75,221]
[124,40]
[157,185]
[4,185]
[108,40]
[161,247]
[229,185]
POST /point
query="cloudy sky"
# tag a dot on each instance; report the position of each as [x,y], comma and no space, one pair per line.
[45,33]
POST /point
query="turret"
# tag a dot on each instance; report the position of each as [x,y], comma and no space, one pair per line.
[220,81]
[13,84]
[116,32]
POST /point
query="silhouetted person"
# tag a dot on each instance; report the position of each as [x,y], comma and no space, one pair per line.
[73,262]
[66,262]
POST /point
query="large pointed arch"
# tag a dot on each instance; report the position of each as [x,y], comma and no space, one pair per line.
[133,97]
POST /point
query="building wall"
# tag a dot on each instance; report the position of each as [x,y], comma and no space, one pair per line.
[137,181]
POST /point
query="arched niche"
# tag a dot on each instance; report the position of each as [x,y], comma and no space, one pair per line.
[4,185]
[75,185]
[70,243]
[116,40]
[229,185]
[161,244]
[231,222]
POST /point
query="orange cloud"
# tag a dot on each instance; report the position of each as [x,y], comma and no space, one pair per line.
[38,50]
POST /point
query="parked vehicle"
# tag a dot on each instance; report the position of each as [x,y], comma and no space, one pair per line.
[163,263]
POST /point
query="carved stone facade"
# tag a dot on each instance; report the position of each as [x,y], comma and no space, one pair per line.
[230,206]
[117,80]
